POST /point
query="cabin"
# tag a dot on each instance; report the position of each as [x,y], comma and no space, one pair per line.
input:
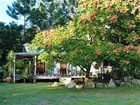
[37,70]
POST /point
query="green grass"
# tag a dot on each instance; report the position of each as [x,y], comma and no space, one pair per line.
[42,94]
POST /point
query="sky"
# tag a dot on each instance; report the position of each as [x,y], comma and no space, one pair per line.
[3,15]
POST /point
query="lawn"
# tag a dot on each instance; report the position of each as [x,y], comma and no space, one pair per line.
[42,94]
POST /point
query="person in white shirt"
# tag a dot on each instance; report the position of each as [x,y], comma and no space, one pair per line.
[93,69]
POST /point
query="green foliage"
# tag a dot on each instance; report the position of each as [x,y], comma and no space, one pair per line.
[53,13]
[40,15]
[10,62]
[2,69]
[43,14]
[21,10]
[20,7]
[103,30]
[10,39]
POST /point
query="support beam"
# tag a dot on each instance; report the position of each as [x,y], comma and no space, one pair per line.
[67,69]
[35,68]
[14,69]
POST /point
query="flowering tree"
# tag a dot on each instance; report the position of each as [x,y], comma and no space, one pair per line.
[102,30]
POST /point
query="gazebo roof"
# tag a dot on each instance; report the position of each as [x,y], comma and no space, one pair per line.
[26,54]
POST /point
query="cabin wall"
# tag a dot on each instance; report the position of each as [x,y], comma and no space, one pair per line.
[63,69]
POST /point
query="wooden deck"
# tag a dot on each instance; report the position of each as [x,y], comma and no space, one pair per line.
[47,77]
[57,77]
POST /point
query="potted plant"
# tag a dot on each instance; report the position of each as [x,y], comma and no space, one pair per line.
[9,66]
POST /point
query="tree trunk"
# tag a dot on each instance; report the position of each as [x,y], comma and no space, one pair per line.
[88,74]
[24,80]
[86,70]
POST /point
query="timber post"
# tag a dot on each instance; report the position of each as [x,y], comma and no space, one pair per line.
[35,68]
[14,69]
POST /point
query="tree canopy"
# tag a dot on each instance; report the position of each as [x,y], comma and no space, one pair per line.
[36,15]
[10,39]
[43,14]
[102,30]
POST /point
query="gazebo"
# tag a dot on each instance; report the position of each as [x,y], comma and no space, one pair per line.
[33,55]
[27,53]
